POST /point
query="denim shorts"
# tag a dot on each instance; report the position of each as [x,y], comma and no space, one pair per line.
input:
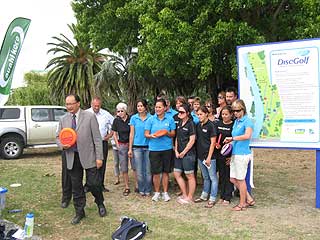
[185,164]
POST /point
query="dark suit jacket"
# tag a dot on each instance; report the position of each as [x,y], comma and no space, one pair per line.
[89,142]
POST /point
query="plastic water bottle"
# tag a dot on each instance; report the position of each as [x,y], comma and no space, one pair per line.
[3,192]
[28,227]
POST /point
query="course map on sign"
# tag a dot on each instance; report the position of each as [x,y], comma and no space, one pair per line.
[279,83]
[273,116]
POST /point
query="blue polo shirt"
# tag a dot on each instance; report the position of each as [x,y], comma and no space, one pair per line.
[139,139]
[171,112]
[154,124]
[239,128]
[195,117]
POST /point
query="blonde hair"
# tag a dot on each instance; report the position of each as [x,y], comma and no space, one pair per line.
[240,103]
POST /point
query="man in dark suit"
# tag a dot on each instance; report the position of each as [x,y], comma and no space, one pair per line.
[86,154]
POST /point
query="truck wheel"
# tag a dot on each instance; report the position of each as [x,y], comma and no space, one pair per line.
[11,148]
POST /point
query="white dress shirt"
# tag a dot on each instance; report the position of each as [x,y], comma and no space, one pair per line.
[105,120]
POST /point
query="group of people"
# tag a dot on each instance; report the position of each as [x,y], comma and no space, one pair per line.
[192,137]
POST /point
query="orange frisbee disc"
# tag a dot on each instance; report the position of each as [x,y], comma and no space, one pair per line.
[68,136]
[160,133]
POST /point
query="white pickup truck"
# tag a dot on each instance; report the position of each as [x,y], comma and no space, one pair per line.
[27,126]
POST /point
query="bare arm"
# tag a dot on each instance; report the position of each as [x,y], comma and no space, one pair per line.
[247,135]
[211,149]
[192,140]
[131,135]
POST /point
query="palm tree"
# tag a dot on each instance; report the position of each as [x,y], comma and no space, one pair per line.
[118,77]
[73,68]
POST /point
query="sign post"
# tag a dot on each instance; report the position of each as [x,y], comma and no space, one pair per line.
[280,84]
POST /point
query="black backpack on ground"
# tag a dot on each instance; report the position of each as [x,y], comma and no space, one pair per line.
[130,229]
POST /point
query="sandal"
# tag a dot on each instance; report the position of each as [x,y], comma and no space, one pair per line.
[251,203]
[239,208]
[126,192]
[210,204]
[199,200]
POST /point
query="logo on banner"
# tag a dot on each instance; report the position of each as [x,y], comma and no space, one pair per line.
[17,37]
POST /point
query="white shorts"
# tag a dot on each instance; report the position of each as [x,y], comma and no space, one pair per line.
[239,166]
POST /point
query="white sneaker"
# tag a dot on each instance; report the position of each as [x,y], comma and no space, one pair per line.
[166,197]
[156,197]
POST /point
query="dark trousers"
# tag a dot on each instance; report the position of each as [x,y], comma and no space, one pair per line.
[93,182]
[102,170]
[226,187]
[65,180]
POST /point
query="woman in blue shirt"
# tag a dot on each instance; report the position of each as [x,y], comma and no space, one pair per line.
[138,148]
[160,148]
[241,153]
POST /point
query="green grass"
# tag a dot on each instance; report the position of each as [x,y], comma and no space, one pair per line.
[285,195]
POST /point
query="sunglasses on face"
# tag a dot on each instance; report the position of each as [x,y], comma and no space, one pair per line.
[181,112]
[237,110]
[208,106]
[220,97]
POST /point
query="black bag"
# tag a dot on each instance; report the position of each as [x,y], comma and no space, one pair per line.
[130,229]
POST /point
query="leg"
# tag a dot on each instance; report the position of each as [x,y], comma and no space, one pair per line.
[65,182]
[214,181]
[134,169]
[228,185]
[140,169]
[116,165]
[147,170]
[165,181]
[181,182]
[156,182]
[206,180]
[102,170]
[94,183]
[123,159]
[243,192]
[192,185]
[76,175]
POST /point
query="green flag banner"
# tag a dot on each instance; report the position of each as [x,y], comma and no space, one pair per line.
[9,53]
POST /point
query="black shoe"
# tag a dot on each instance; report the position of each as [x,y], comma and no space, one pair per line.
[77,219]
[102,210]
[65,204]
[104,189]
[86,189]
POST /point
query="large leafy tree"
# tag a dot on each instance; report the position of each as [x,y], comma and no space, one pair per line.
[36,91]
[186,45]
[73,67]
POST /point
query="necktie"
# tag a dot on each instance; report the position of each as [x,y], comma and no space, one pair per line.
[74,126]
[74,123]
